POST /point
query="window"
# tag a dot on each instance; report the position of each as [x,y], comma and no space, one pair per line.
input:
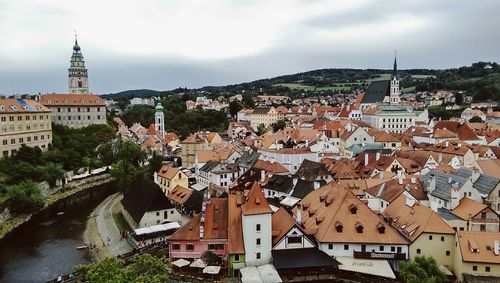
[330,246]
[346,247]
[236,257]
[448,253]
[487,269]
[257,227]
[381,248]
[393,249]
[157,213]
[430,237]
[442,238]
[359,229]
[418,251]
[295,240]
[474,268]
[257,242]
[176,247]
[257,256]
[482,227]
[483,215]
[189,247]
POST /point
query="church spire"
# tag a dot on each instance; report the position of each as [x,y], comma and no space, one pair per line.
[395,68]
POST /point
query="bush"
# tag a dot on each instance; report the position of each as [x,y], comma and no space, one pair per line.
[24,198]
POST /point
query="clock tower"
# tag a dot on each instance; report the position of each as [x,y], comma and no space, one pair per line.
[77,78]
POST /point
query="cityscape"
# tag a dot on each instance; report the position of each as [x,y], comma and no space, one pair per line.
[337,169]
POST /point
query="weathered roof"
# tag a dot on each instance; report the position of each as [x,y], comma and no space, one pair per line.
[274,167]
[484,184]
[179,194]
[72,100]
[303,188]
[255,202]
[302,258]
[377,91]
[280,183]
[468,208]
[168,172]
[414,220]
[443,184]
[248,158]
[143,196]
[331,205]
[311,170]
[235,235]
[480,241]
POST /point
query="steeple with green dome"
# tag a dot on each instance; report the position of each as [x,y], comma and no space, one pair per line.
[78,77]
[159,118]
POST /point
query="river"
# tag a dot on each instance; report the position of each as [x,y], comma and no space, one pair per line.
[43,249]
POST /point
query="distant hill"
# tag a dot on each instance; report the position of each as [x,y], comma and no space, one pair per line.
[131,93]
[481,80]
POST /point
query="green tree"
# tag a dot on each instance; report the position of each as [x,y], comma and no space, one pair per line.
[248,101]
[234,107]
[24,197]
[155,163]
[52,173]
[279,125]
[210,258]
[143,268]
[422,269]
[261,129]
[129,156]
[476,119]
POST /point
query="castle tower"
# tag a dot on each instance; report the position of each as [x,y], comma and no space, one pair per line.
[394,92]
[160,119]
[77,78]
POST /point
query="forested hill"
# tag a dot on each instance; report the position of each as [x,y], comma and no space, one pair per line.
[482,80]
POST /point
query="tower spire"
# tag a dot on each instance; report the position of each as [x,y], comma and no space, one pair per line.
[395,68]
[77,77]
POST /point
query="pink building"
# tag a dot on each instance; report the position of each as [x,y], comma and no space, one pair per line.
[206,231]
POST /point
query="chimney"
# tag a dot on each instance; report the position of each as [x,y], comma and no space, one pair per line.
[366,159]
[262,175]
[299,214]
[496,247]
[446,144]
[450,180]
[307,142]
[377,156]
[432,183]
[295,180]
[475,175]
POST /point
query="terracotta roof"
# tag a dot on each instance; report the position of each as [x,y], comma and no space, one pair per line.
[341,169]
[490,167]
[468,208]
[461,129]
[171,137]
[389,137]
[235,228]
[482,242]
[179,194]
[255,202]
[12,105]
[358,187]
[444,133]
[282,222]
[414,220]
[72,99]
[273,167]
[455,147]
[168,172]
[189,231]
[392,189]
[150,143]
[331,205]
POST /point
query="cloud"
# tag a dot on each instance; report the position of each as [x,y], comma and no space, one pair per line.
[165,44]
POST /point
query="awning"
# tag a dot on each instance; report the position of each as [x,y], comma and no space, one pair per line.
[262,274]
[302,258]
[198,263]
[377,267]
[180,262]
[211,269]
[157,228]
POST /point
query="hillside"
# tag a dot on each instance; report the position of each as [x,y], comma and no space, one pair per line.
[481,80]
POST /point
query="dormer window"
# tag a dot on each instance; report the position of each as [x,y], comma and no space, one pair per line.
[359,228]
[353,209]
[49,102]
[381,228]
[338,227]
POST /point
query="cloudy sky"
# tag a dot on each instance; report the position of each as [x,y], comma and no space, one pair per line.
[161,44]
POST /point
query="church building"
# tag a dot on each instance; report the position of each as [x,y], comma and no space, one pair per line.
[78,108]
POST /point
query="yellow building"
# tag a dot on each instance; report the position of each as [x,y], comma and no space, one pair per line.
[428,233]
[195,142]
[169,177]
[477,253]
[265,116]
[23,121]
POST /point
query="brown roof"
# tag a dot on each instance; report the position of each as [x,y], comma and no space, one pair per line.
[468,208]
[72,99]
[463,131]
[168,172]
[490,167]
[179,194]
[332,205]
[235,236]
[282,222]
[415,220]
[255,202]
[455,147]
[189,231]
[152,130]
[274,167]
[484,242]
[389,137]
[341,169]
[216,219]
[392,189]
[444,133]
[171,137]
[11,105]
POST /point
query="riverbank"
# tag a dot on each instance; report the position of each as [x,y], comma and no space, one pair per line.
[10,224]
[103,233]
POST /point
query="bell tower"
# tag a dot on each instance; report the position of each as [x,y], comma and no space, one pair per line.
[77,77]
[160,119]
[394,92]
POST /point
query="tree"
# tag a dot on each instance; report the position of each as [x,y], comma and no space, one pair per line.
[476,119]
[141,269]
[234,107]
[279,125]
[210,258]
[52,173]
[261,129]
[459,98]
[422,269]
[155,162]
[25,197]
